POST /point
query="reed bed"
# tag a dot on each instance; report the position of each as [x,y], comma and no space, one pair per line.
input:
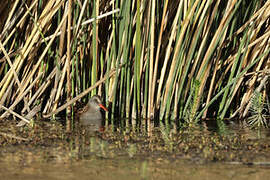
[180,59]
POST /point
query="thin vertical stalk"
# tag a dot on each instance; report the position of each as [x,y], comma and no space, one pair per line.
[68,123]
[95,46]
[152,70]
[137,60]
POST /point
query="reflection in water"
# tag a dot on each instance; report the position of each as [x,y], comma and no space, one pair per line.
[129,168]
[127,150]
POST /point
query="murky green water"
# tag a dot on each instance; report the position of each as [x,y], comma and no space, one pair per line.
[128,168]
[47,152]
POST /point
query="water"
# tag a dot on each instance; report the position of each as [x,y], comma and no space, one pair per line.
[134,153]
[128,168]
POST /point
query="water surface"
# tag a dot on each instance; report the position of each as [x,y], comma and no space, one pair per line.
[165,152]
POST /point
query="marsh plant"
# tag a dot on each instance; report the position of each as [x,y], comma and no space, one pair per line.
[166,136]
[190,111]
[172,59]
[259,112]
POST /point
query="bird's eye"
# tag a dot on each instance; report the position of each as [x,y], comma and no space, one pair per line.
[96,100]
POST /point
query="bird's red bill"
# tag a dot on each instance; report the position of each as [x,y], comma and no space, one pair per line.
[103,107]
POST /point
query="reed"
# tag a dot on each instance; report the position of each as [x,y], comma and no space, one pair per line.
[179,59]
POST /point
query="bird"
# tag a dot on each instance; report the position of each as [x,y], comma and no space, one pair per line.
[91,115]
